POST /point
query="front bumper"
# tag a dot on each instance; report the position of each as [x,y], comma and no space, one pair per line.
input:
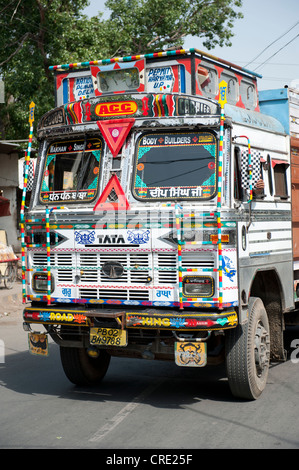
[158,319]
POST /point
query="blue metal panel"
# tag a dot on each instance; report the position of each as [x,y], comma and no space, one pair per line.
[276,103]
[65,89]
[183,79]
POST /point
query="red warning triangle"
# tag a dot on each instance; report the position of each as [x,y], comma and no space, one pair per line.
[115,186]
[115,132]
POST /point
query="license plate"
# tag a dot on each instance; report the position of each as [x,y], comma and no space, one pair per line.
[38,344]
[108,337]
[190,354]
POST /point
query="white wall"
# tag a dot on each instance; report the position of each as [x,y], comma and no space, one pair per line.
[9,183]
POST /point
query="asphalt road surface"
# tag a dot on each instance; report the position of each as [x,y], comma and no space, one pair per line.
[139,405]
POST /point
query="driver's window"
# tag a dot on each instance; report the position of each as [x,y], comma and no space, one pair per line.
[238,191]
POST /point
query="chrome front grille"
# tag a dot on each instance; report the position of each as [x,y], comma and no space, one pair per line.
[62,262]
[136,267]
[142,271]
[113,294]
[166,266]
[197,260]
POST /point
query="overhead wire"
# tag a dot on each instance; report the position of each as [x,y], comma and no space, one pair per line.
[271,44]
[275,53]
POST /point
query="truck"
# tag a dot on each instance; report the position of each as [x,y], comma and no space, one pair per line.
[163,220]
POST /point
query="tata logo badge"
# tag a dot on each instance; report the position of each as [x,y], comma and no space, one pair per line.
[112,269]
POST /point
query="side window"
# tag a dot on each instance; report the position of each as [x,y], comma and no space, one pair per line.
[207,80]
[270,175]
[256,170]
[280,178]
[238,191]
[232,88]
[248,94]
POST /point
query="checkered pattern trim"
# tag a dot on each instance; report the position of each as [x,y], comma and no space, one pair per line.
[256,168]
[30,175]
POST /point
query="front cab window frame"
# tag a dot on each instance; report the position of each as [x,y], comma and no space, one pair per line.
[161,174]
[63,169]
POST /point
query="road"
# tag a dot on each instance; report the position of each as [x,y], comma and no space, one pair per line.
[139,405]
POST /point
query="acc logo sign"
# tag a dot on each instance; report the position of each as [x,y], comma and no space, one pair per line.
[116,108]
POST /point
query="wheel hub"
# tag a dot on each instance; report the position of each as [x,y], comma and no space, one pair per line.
[262,349]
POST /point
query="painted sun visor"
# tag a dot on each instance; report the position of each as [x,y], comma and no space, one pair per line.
[135,106]
[73,86]
[166,79]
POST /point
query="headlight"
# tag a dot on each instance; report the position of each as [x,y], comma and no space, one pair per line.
[198,286]
[40,282]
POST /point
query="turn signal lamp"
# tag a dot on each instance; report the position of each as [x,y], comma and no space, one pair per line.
[224,238]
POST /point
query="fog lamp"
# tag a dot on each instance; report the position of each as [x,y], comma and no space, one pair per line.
[198,286]
[93,352]
[40,282]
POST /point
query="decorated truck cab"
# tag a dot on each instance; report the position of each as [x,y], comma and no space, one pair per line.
[146,236]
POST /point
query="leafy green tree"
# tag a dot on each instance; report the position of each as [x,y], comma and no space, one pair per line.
[37,33]
[148,25]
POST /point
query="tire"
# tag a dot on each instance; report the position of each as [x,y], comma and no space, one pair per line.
[80,368]
[248,353]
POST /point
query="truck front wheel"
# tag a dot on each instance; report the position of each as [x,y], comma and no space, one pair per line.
[248,353]
[80,368]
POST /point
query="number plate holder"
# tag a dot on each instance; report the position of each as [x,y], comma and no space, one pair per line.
[108,337]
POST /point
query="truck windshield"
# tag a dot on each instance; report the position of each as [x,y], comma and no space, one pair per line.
[175,166]
[71,171]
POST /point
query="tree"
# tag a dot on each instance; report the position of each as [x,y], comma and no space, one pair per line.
[37,33]
[148,25]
